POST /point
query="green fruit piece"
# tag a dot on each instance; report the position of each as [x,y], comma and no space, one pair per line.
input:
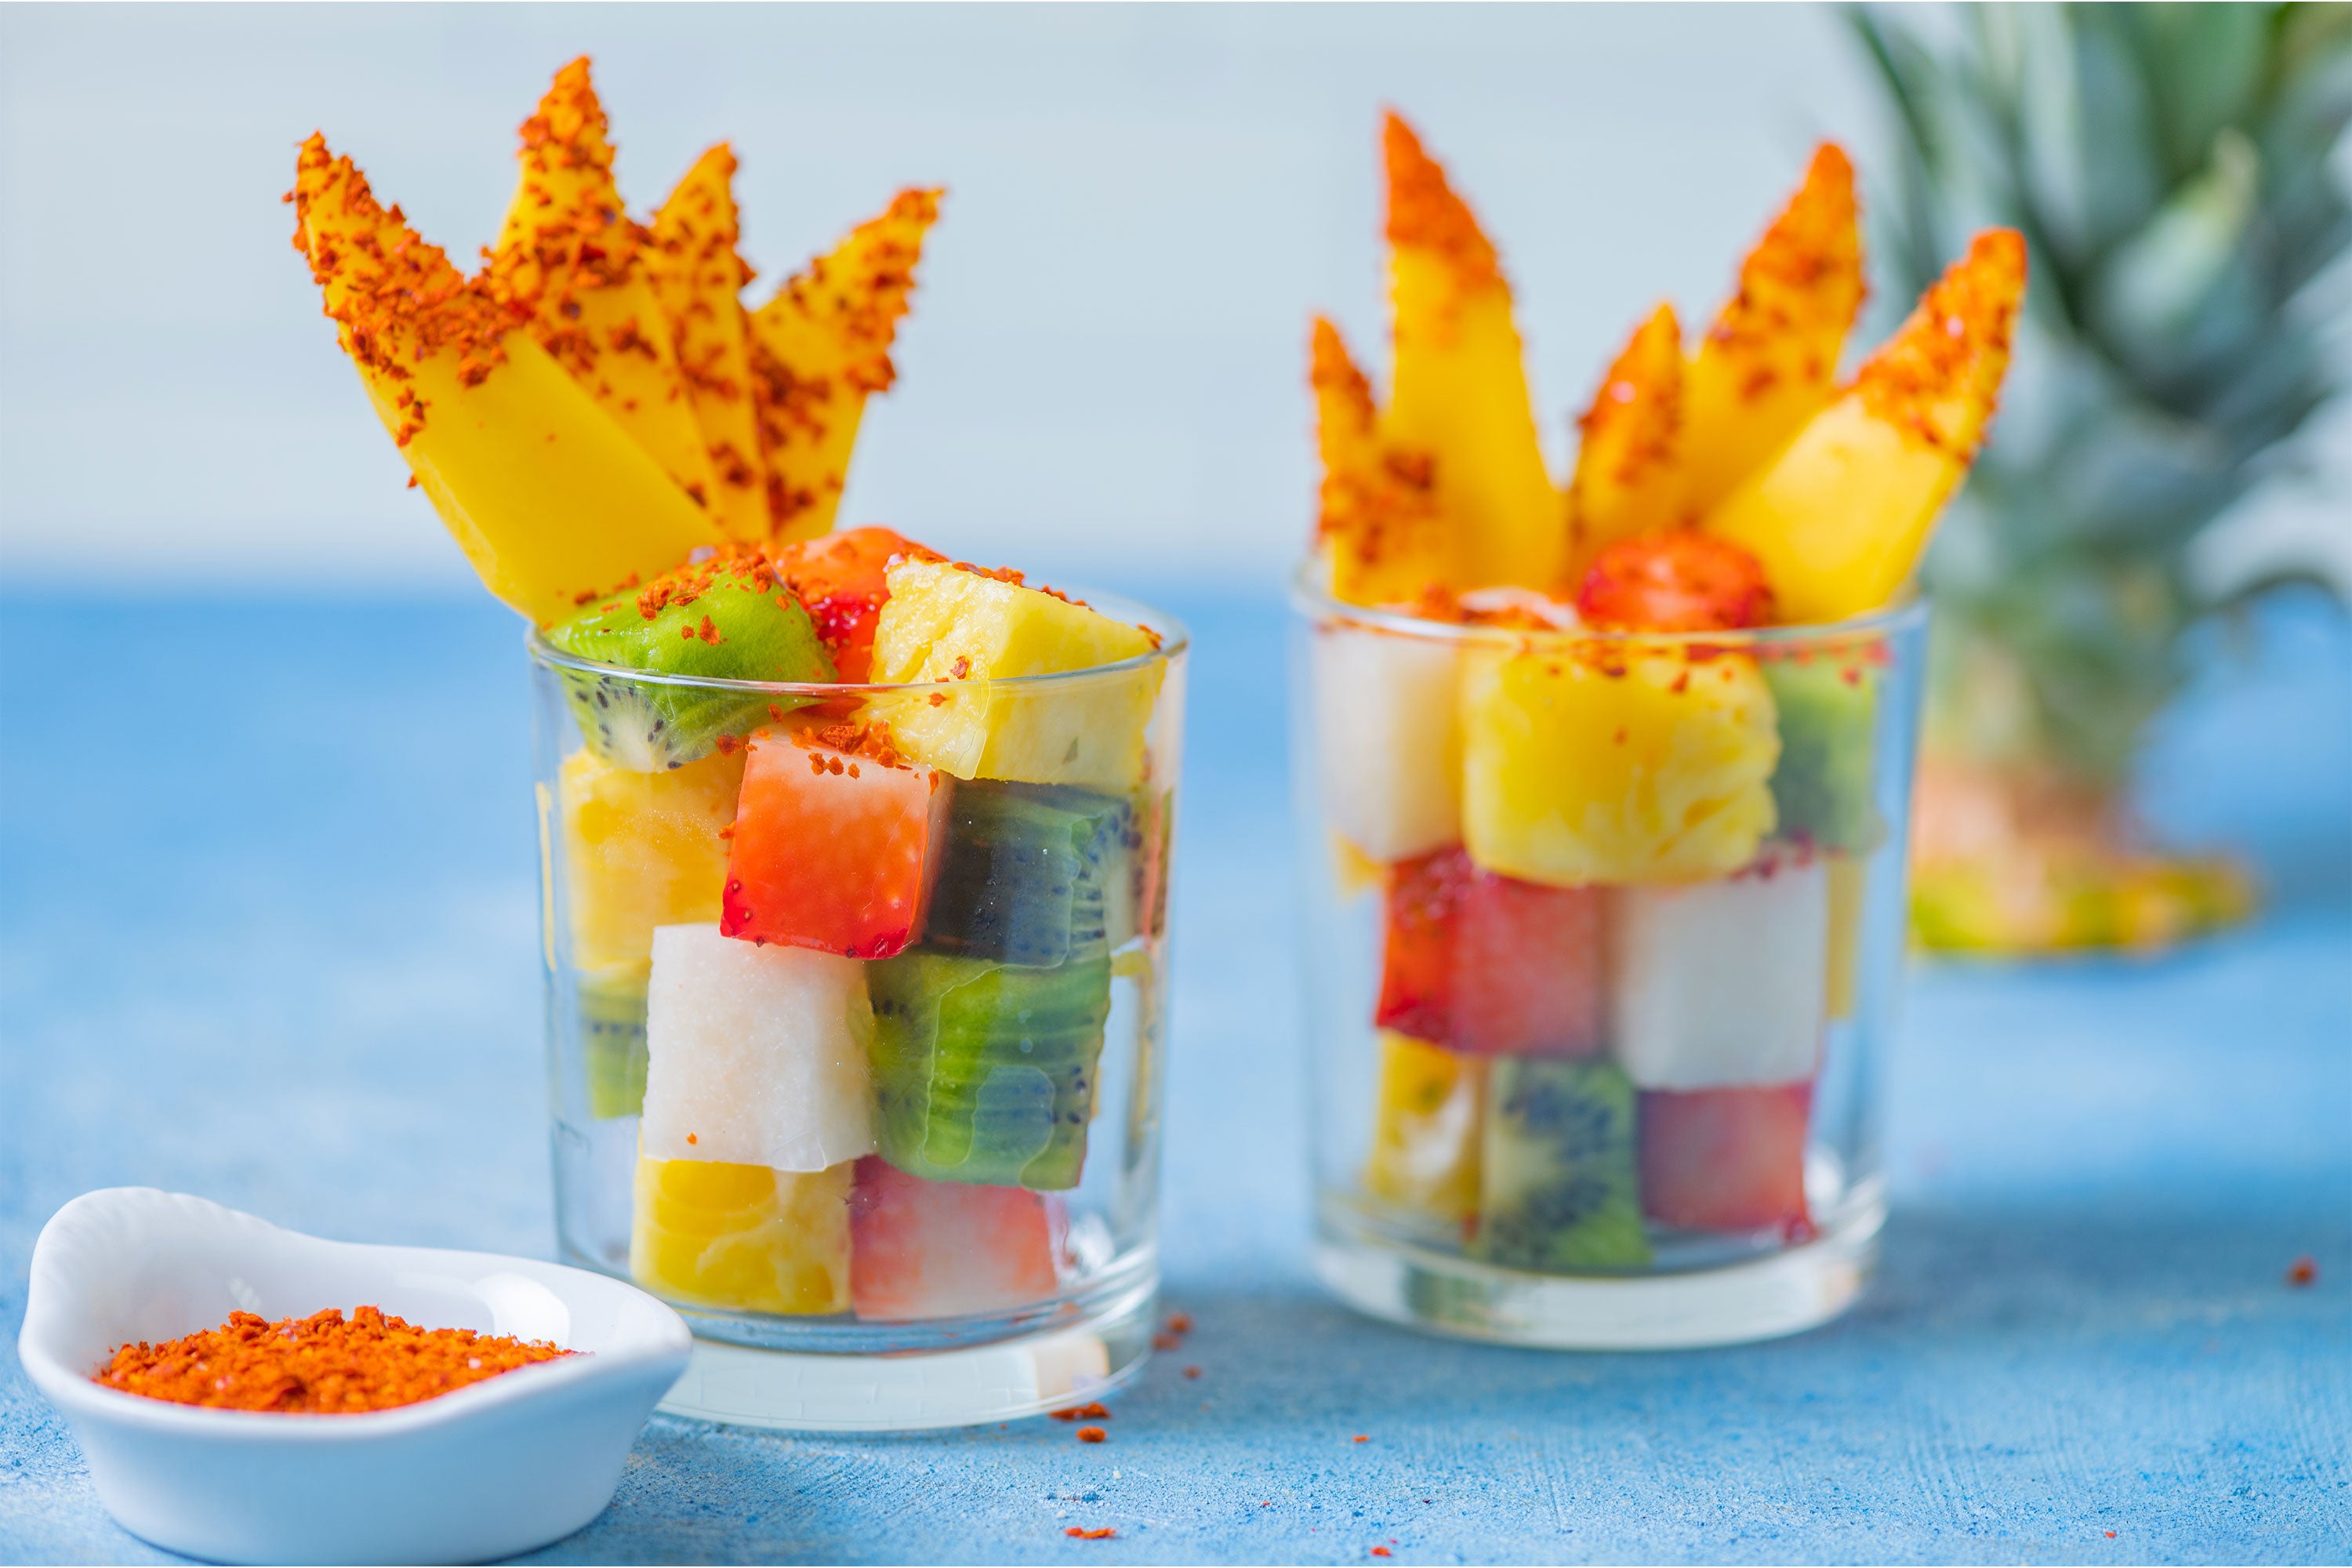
[1826,781]
[715,620]
[613,1040]
[985,1072]
[1036,875]
[1559,1191]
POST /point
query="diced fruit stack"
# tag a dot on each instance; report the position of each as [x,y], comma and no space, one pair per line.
[1624,865]
[846,954]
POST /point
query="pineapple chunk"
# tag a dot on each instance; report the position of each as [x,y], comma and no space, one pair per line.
[1461,387]
[642,850]
[1425,1144]
[820,347]
[1840,517]
[568,257]
[1639,764]
[1769,361]
[1628,475]
[743,1236]
[544,493]
[1378,525]
[698,278]
[956,623]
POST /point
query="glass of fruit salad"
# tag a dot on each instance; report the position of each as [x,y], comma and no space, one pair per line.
[856,881]
[1603,787]
[855,860]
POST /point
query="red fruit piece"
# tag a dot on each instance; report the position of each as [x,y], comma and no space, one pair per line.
[942,1249]
[838,576]
[831,851]
[1726,1159]
[1680,581]
[1483,963]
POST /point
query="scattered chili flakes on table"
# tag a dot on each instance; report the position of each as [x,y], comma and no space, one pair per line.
[1381,1552]
[1191,1371]
[2111,1535]
[2305,1270]
[1093,1435]
[1105,1534]
[1363,1438]
[1093,1411]
[321,1364]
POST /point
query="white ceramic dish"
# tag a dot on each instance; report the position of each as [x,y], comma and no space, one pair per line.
[494,1468]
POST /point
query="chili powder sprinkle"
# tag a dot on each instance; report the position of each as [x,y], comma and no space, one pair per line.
[322,1364]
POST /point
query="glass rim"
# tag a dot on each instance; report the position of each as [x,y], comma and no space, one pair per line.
[1175,638]
[1308,599]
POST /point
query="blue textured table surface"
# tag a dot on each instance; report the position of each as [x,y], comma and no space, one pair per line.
[267,936]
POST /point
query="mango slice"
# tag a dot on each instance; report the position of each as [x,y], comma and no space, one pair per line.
[743,1236]
[1628,478]
[569,258]
[1460,390]
[698,278]
[1770,361]
[956,623]
[1378,526]
[1840,516]
[1585,764]
[820,347]
[551,501]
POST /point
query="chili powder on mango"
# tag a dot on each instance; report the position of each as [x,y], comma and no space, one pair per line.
[322,1364]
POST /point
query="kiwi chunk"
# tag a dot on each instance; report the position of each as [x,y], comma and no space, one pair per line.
[612,1013]
[1036,875]
[1559,1188]
[717,620]
[1825,784]
[984,1071]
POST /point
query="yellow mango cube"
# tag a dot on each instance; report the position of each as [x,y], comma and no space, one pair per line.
[1425,1144]
[642,850]
[743,1236]
[949,622]
[1640,763]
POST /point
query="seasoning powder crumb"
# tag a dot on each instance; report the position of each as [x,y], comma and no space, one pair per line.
[1093,1435]
[322,1364]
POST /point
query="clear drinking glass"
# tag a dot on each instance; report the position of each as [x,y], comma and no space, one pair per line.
[1604,934]
[913,1188]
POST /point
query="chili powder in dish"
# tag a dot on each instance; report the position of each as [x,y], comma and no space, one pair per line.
[324,1365]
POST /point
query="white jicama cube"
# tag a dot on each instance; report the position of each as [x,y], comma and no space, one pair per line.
[1714,984]
[755,1054]
[1388,740]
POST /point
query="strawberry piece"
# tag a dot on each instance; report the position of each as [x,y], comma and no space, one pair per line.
[839,577]
[1487,964]
[1678,582]
[831,851]
[941,1249]
[1726,1159]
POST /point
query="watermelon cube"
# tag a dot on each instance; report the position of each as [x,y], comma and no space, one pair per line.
[1425,1143]
[1387,745]
[1722,983]
[839,577]
[755,1055]
[743,1236]
[1726,1159]
[831,851]
[1486,964]
[946,1249]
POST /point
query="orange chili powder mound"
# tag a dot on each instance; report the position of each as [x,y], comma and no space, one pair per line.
[321,1364]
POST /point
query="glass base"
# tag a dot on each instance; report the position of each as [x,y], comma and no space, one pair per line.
[1785,1292]
[1077,1359]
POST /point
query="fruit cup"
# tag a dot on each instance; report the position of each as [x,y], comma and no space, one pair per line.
[1604,934]
[856,1007]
